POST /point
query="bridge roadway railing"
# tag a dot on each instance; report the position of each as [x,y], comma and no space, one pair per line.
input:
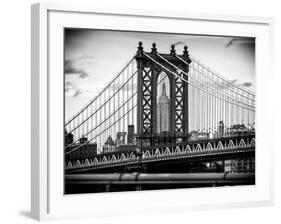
[212,148]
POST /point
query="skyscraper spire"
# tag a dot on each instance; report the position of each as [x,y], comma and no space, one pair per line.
[163,110]
[163,89]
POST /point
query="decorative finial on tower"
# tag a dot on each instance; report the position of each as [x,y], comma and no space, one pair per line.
[186,55]
[154,49]
[185,52]
[140,49]
[173,51]
[140,46]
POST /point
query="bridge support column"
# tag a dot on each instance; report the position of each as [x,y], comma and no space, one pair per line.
[185,68]
[172,105]
[140,67]
[185,107]
[154,74]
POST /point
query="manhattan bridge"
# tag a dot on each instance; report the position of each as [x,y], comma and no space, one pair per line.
[164,118]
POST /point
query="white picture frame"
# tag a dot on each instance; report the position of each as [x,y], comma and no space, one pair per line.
[48,200]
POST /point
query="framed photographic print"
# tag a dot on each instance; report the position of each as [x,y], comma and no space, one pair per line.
[164,111]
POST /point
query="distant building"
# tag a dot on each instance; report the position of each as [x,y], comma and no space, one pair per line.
[78,151]
[238,129]
[109,145]
[68,138]
[203,135]
[163,111]
[121,138]
[196,135]
[83,139]
[126,147]
[131,135]
[193,135]
[221,128]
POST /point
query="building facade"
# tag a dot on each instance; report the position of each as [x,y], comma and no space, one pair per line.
[109,145]
[131,135]
[163,111]
[121,138]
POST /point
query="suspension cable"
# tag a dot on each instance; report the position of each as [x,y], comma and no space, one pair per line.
[101,92]
[101,106]
[247,106]
[101,132]
[189,75]
[221,77]
[115,111]
[223,85]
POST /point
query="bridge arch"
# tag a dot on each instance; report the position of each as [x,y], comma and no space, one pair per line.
[78,164]
[198,148]
[147,154]
[113,158]
[163,102]
[178,150]
[253,142]
[104,159]
[209,147]
[188,148]
[95,161]
[157,153]
[123,157]
[132,156]
[231,145]
[167,151]
[87,163]
[69,165]
[242,143]
[220,146]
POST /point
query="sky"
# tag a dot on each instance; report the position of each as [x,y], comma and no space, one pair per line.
[94,57]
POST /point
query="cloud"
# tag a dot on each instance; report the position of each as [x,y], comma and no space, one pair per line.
[247,84]
[77,93]
[68,86]
[71,69]
[75,66]
[179,43]
[236,82]
[72,90]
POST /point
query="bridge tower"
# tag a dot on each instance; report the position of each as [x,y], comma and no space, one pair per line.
[149,66]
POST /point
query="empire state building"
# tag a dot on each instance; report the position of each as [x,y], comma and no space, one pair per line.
[163,111]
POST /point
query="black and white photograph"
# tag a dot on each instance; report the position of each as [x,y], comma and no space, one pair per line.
[157,111]
[140,112]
